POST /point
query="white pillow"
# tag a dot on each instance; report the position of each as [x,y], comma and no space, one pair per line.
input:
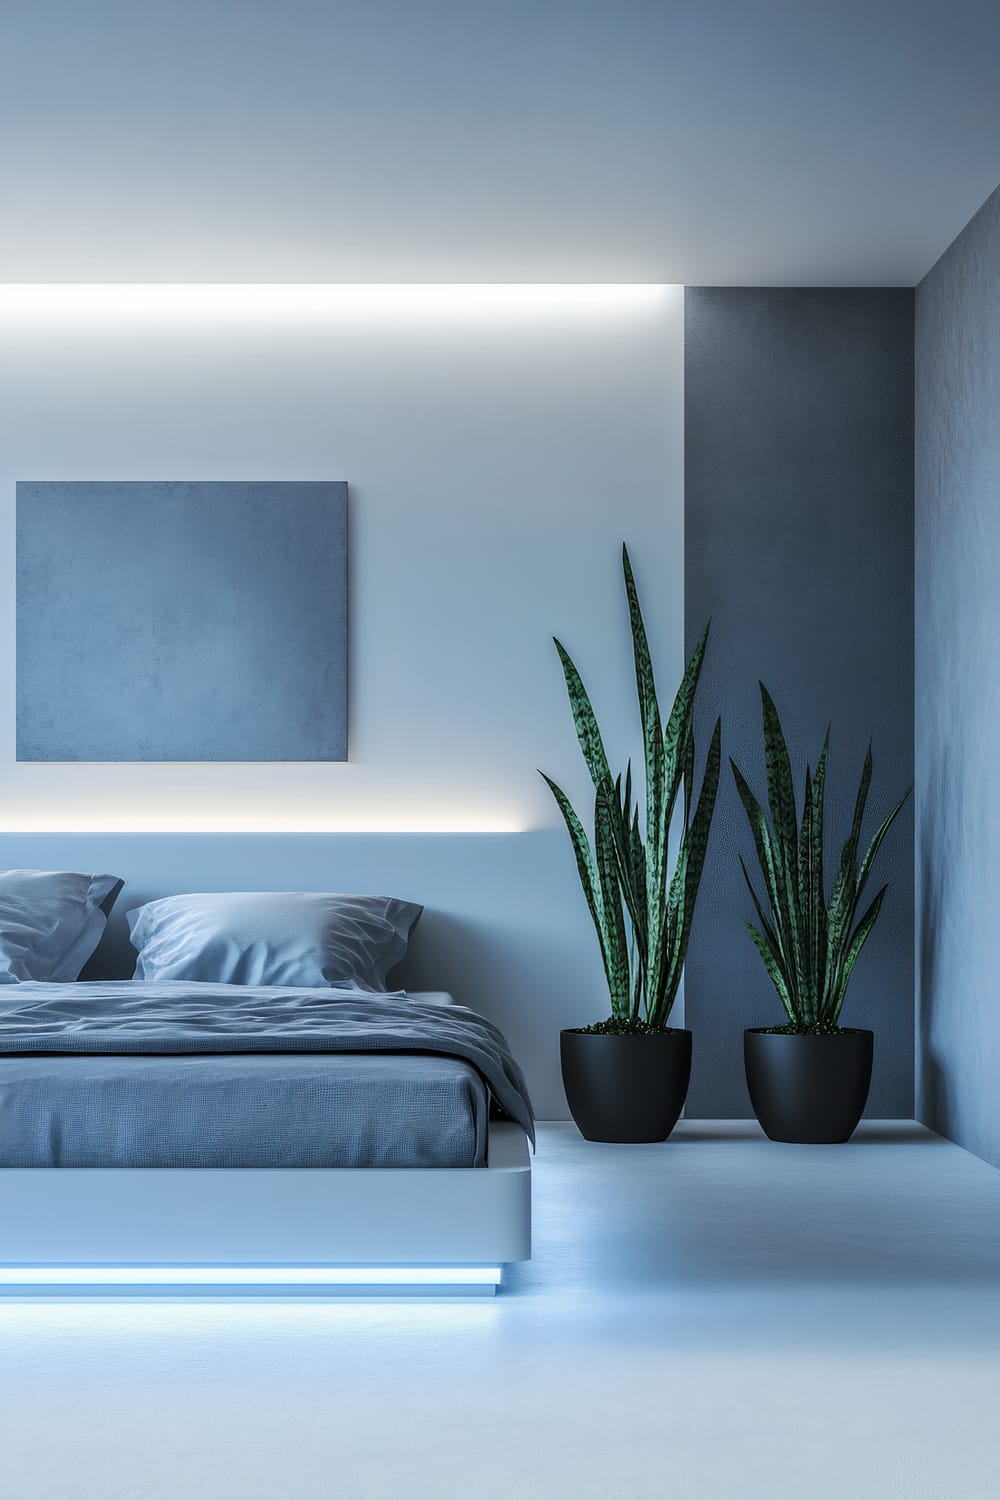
[306,939]
[51,921]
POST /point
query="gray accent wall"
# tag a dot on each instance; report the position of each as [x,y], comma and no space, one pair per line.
[958,687]
[799,545]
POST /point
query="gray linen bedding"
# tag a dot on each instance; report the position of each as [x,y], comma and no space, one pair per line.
[178,1074]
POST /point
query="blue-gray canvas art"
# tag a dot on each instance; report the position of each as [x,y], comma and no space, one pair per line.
[181,621]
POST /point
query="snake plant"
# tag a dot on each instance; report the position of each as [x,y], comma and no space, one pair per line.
[642,901]
[809,947]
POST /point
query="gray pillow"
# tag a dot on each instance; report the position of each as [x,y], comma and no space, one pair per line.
[307,939]
[51,921]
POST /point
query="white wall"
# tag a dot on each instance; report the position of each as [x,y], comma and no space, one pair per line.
[495,466]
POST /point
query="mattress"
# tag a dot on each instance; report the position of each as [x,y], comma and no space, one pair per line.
[284,1109]
[242,1110]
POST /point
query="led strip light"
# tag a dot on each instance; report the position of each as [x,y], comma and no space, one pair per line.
[249,1276]
[309,301]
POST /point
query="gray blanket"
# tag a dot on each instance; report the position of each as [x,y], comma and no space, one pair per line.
[127,1016]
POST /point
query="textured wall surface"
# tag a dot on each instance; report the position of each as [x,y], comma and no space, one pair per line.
[799,545]
[958,687]
[222,609]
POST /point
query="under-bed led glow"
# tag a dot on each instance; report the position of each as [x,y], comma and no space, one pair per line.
[249,1275]
[300,300]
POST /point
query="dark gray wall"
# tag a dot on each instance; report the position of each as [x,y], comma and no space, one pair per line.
[958,687]
[799,545]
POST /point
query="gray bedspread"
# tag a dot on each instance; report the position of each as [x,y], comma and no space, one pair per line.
[374,1109]
[135,1073]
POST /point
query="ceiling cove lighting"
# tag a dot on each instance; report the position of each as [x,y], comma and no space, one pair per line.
[233,822]
[223,1276]
[241,301]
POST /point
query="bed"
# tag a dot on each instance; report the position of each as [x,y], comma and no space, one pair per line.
[196,1136]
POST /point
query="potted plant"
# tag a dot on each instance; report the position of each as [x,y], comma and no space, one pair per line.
[809,1077]
[626,1078]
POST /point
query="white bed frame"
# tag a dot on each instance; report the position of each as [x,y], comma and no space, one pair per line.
[369,1230]
[356,1229]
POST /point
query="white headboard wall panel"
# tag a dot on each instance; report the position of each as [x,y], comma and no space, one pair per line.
[494,465]
[505,928]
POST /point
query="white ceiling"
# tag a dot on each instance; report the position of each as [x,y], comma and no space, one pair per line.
[704,141]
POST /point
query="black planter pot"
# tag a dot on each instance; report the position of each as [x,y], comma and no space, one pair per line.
[626,1088]
[808,1089]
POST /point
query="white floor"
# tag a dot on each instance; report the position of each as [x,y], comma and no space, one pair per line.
[716,1317]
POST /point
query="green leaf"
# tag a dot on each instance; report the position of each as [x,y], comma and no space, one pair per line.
[585,720]
[781,800]
[649,714]
[806,899]
[780,791]
[774,969]
[616,942]
[637,864]
[808,947]
[687,879]
[687,776]
[773,883]
[642,918]
[876,843]
[676,728]
[630,878]
[678,731]
[818,927]
[858,939]
[845,896]
[698,833]
[585,869]
[765,924]
[859,806]
[758,827]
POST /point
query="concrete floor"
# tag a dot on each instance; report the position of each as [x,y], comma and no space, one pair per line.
[716,1317]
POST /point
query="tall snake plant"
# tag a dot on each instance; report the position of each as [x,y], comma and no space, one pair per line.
[809,948]
[642,910]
